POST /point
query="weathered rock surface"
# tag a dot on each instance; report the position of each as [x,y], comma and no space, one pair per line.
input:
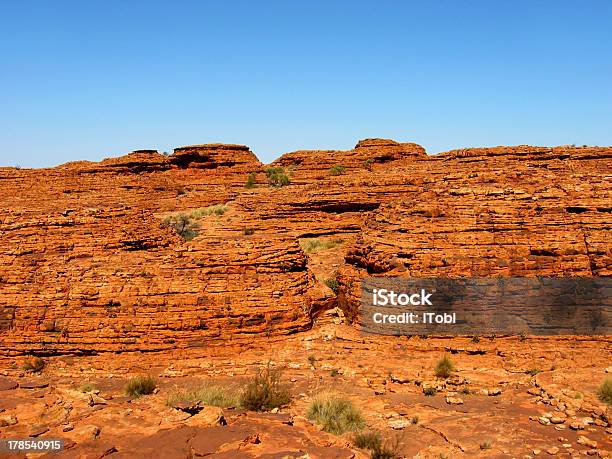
[88,267]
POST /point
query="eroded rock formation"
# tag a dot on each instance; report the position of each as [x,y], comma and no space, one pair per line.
[87,265]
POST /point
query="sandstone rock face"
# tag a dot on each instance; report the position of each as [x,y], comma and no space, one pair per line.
[87,266]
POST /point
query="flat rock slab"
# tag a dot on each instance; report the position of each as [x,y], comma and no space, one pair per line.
[34,384]
[37,431]
[8,384]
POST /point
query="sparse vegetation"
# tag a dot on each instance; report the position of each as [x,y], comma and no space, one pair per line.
[87,387]
[277,177]
[216,209]
[334,372]
[368,164]
[250,183]
[475,339]
[335,415]
[533,371]
[314,245]
[414,420]
[430,391]
[333,284]
[312,360]
[248,231]
[337,170]
[604,391]
[444,367]
[140,385]
[34,364]
[265,391]
[485,445]
[208,395]
[368,440]
[184,226]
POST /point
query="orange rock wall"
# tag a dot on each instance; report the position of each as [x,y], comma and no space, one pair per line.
[86,265]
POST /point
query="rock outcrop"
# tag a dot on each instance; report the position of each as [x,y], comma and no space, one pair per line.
[88,265]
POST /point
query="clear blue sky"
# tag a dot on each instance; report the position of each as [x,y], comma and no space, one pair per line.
[93,79]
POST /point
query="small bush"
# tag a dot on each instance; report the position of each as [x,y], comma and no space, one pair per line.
[34,364]
[208,395]
[337,170]
[334,372]
[429,391]
[368,440]
[265,391]
[250,183]
[415,420]
[140,385]
[335,415]
[533,372]
[368,164]
[604,392]
[216,209]
[87,387]
[333,284]
[315,245]
[444,367]
[277,177]
[485,445]
[182,224]
[312,360]
[248,231]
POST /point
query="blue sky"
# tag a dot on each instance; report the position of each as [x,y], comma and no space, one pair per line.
[88,80]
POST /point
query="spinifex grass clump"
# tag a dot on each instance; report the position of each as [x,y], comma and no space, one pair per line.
[140,385]
[335,415]
[604,392]
[265,391]
[208,395]
[215,209]
[314,245]
[444,367]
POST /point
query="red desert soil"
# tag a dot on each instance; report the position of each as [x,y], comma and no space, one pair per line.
[92,281]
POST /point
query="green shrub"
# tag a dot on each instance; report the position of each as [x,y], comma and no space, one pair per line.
[34,364]
[312,360]
[444,367]
[429,391]
[182,225]
[335,415]
[314,245]
[208,395]
[216,209]
[334,372]
[368,164]
[604,392]
[140,385]
[277,177]
[337,170]
[333,284]
[250,183]
[248,231]
[368,440]
[533,372]
[265,391]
